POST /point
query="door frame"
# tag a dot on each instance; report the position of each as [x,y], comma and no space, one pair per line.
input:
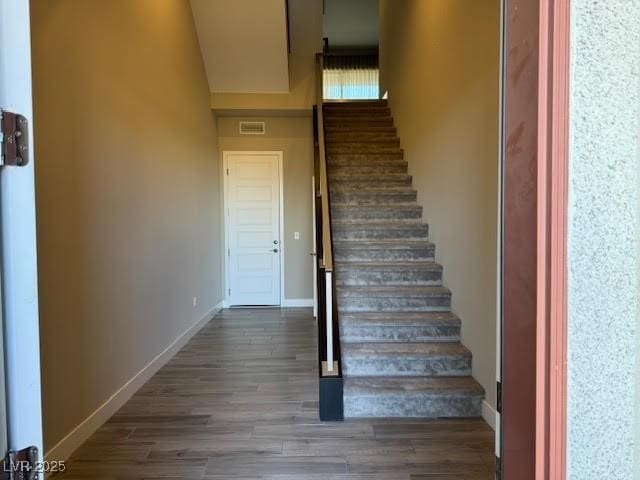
[225,214]
[535,202]
[18,266]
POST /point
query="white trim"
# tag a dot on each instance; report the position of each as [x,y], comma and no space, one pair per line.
[314,253]
[225,215]
[328,295]
[281,219]
[65,447]
[297,302]
[18,257]
[489,414]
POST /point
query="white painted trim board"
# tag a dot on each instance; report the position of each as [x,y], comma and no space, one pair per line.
[297,302]
[490,415]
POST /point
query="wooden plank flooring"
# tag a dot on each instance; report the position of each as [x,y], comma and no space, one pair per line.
[239,402]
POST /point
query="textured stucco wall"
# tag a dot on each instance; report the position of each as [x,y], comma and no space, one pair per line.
[603,239]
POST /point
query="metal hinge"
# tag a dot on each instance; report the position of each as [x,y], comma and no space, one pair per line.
[227,171]
[229,291]
[22,465]
[14,140]
[499,395]
[498,468]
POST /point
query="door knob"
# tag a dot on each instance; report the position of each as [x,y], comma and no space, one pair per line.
[275,250]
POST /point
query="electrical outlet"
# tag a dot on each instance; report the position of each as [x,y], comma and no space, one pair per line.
[195,302]
[296,235]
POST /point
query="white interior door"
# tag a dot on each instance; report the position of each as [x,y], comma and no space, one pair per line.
[18,240]
[253,227]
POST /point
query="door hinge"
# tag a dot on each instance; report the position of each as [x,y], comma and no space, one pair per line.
[22,465]
[14,140]
[229,291]
[499,396]
[227,171]
[228,251]
[498,468]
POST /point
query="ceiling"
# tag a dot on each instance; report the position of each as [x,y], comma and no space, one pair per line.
[351,23]
[244,44]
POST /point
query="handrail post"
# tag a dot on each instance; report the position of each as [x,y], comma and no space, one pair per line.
[329,317]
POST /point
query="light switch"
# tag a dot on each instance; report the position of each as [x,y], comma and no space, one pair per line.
[296,235]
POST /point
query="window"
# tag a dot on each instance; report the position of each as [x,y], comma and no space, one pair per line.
[351,77]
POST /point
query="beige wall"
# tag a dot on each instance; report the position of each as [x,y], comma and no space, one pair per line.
[305,27]
[127,194]
[243,44]
[294,137]
[440,64]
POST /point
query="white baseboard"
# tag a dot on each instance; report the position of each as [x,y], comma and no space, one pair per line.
[65,447]
[490,415]
[297,302]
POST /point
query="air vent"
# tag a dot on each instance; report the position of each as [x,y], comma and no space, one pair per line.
[252,128]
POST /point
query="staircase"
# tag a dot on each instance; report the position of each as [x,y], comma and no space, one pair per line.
[401,350]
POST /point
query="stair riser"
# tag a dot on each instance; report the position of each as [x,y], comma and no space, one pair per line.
[359,146]
[371,157]
[337,148]
[371,103]
[346,183]
[356,108]
[383,255]
[397,167]
[358,115]
[405,366]
[339,136]
[417,232]
[376,198]
[398,304]
[368,277]
[357,123]
[363,143]
[408,405]
[392,333]
[373,164]
[384,129]
[363,214]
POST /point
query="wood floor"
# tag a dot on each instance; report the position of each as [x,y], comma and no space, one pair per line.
[240,402]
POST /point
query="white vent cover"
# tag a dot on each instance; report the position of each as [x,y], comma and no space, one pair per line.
[252,128]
